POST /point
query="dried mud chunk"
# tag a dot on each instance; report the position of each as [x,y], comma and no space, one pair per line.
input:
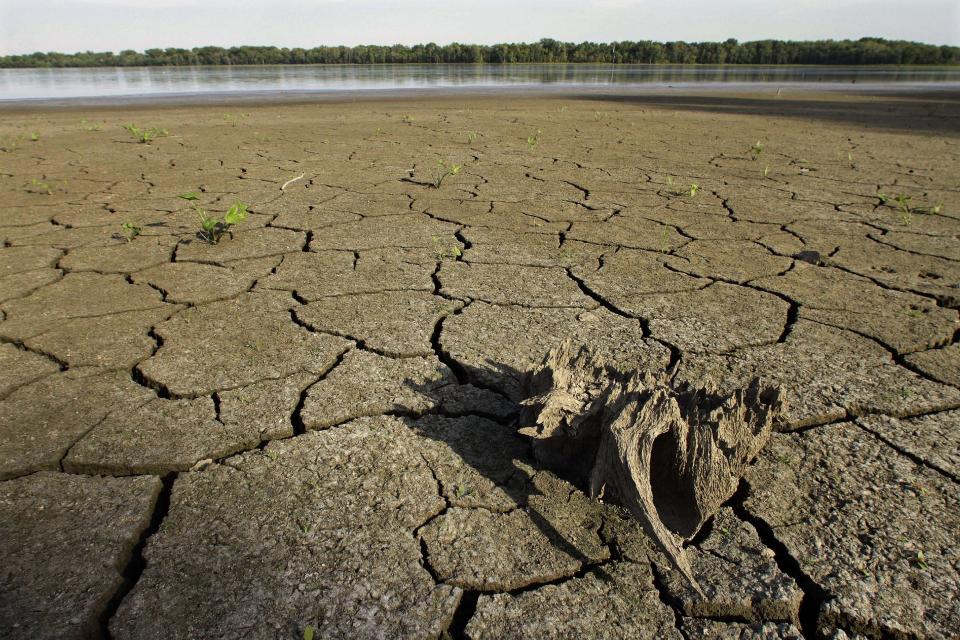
[39,422]
[194,282]
[904,321]
[19,367]
[267,406]
[941,364]
[512,284]
[716,630]
[315,275]
[406,231]
[115,341]
[497,345]
[535,249]
[719,318]
[928,275]
[615,601]
[121,258]
[81,295]
[254,243]
[739,576]
[633,233]
[233,343]
[18,285]
[66,540]
[933,438]
[739,261]
[477,462]
[368,384]
[879,533]
[158,437]
[628,275]
[284,538]
[19,259]
[397,323]
[828,374]
[489,551]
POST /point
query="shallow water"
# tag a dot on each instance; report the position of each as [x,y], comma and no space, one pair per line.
[26,84]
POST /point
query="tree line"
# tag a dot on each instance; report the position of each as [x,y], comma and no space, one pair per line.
[845,52]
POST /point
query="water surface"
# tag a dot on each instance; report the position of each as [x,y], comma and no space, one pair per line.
[106,82]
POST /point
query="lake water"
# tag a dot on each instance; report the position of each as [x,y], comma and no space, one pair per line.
[61,84]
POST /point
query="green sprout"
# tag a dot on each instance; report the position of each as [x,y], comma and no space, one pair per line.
[130,230]
[39,186]
[921,560]
[406,118]
[534,138]
[694,187]
[145,136]
[756,150]
[850,160]
[766,171]
[462,491]
[189,195]
[308,632]
[34,136]
[597,115]
[443,170]
[440,253]
[471,136]
[212,228]
[377,131]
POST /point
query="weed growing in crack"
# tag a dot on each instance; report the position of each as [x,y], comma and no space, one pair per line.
[39,186]
[212,228]
[440,253]
[442,170]
[130,230]
[756,150]
[145,136]
[534,139]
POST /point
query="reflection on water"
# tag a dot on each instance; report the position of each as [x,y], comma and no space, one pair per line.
[67,83]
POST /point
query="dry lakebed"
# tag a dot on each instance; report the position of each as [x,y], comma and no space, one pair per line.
[312,425]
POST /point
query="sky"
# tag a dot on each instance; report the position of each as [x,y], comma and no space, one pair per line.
[113,25]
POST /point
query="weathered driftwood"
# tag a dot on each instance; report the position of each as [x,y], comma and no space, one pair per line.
[672,456]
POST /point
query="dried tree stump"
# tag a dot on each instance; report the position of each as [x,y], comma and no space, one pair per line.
[671,455]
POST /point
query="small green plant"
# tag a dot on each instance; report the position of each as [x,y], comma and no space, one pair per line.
[39,186]
[766,171]
[442,170]
[212,228]
[921,560]
[462,491]
[130,230]
[850,160]
[377,131]
[145,136]
[534,138]
[189,195]
[34,136]
[694,187]
[597,115]
[440,253]
[308,632]
[756,150]
[471,136]
[406,118]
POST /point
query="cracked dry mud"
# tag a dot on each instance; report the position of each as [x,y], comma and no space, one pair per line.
[315,421]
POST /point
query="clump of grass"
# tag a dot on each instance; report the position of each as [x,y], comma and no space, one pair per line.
[756,150]
[534,138]
[212,229]
[145,136]
[442,170]
[130,230]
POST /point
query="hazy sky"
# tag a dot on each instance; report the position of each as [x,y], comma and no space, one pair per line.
[112,25]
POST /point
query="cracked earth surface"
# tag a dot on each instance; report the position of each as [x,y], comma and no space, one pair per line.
[314,421]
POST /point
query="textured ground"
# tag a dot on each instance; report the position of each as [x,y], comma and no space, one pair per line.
[312,423]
